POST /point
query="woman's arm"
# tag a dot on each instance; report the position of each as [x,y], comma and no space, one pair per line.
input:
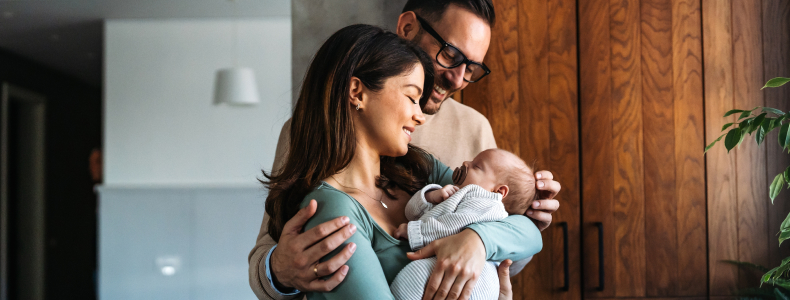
[365,278]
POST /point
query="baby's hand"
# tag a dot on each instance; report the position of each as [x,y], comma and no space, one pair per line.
[438,196]
[402,232]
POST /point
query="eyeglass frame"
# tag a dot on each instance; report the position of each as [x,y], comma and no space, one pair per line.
[445,44]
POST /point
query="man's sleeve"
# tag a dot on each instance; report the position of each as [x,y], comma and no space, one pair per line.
[258,264]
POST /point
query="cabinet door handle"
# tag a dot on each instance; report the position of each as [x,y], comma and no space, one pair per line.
[600,256]
[564,226]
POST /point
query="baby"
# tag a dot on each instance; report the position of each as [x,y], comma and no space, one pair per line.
[494,185]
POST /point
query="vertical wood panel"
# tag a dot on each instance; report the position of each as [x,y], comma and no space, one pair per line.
[497,96]
[689,136]
[752,189]
[534,131]
[722,205]
[596,140]
[627,141]
[564,161]
[776,46]
[660,201]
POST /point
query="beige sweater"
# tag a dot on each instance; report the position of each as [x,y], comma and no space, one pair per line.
[454,134]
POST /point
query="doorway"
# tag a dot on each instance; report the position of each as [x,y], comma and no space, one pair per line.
[22,196]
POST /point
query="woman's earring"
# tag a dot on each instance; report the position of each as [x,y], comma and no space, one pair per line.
[357,106]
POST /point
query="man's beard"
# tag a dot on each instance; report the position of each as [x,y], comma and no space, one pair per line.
[433,105]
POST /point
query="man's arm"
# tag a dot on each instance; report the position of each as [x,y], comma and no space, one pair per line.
[259,283]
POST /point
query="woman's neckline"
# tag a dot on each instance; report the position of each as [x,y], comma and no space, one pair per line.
[375,223]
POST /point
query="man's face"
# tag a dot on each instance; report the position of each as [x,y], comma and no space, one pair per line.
[467,32]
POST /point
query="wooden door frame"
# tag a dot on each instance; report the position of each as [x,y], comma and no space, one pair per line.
[38,102]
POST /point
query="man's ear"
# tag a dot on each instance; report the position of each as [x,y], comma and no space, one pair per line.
[502,189]
[408,27]
[355,90]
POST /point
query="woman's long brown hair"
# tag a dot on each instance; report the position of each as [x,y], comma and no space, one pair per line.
[323,139]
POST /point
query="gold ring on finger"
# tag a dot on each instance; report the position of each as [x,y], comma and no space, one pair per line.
[315,270]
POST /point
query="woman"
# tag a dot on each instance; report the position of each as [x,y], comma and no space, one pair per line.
[350,150]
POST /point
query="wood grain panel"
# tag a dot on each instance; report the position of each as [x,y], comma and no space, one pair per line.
[659,134]
[596,140]
[752,189]
[564,160]
[776,47]
[534,282]
[627,145]
[722,204]
[689,160]
[497,96]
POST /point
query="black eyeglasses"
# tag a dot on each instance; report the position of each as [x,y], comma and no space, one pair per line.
[450,57]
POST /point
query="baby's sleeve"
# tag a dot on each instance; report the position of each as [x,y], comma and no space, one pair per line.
[417,205]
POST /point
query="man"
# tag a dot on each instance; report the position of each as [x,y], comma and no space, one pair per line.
[456,34]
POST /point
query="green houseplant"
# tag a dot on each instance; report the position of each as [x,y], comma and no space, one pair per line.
[758,122]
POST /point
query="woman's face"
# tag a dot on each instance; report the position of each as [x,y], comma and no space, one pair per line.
[389,116]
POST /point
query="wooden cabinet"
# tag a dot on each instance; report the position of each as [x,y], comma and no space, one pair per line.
[531,101]
[618,98]
[642,138]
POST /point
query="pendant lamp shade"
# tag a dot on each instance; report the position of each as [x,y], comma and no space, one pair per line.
[236,86]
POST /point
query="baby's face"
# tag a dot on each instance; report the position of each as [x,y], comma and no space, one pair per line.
[483,170]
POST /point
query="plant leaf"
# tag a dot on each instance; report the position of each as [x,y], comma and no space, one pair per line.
[778,271]
[773,110]
[745,115]
[758,121]
[782,282]
[783,236]
[760,136]
[713,143]
[784,230]
[767,124]
[726,126]
[747,265]
[776,82]
[787,175]
[732,112]
[732,139]
[776,187]
[780,295]
[784,137]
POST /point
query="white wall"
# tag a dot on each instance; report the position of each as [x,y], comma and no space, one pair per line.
[207,231]
[164,142]
[160,126]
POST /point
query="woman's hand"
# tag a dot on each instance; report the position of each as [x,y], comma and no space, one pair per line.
[459,260]
[541,210]
[505,288]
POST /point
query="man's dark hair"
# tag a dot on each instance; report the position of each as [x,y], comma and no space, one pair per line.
[433,10]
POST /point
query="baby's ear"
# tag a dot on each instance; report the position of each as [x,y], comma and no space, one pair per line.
[502,189]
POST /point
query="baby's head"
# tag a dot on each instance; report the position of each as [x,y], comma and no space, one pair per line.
[501,172]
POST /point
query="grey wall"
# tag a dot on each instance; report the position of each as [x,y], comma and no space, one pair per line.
[313,21]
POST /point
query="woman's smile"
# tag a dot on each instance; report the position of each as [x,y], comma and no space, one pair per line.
[408,131]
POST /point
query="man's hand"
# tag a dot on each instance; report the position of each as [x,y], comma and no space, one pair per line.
[505,288]
[541,210]
[459,260]
[438,196]
[294,263]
